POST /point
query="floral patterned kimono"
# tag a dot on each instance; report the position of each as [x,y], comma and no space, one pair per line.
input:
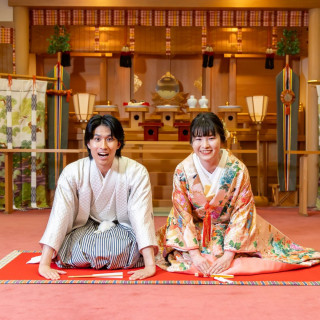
[218,213]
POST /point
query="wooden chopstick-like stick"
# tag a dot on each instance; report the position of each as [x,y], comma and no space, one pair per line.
[100,275]
[198,274]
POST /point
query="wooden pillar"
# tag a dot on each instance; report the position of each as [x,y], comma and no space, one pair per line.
[21,26]
[303,189]
[232,81]
[103,79]
[312,132]
[132,80]
[204,82]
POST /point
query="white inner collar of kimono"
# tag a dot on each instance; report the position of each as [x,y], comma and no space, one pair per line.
[103,200]
[210,181]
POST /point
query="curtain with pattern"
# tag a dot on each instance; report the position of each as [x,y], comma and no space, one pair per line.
[22,125]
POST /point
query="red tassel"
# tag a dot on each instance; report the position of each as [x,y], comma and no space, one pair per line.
[287,110]
[68,95]
[10,81]
[206,235]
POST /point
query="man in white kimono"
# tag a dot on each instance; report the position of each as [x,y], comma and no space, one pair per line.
[103,188]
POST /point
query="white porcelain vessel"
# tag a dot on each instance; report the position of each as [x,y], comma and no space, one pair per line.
[203,102]
[192,102]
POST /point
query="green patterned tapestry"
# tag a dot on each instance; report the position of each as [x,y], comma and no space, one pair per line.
[22,125]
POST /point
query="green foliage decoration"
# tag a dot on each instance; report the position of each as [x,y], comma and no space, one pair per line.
[289,44]
[59,41]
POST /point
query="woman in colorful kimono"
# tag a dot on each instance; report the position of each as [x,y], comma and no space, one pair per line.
[213,226]
[102,212]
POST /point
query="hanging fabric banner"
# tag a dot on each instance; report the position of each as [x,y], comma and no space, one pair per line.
[132,40]
[58,122]
[22,119]
[96,39]
[239,40]
[34,144]
[168,41]
[287,83]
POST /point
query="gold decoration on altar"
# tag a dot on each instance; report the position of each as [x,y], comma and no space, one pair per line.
[137,83]
[178,100]
[198,84]
[168,86]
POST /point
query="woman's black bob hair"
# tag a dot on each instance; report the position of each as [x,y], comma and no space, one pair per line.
[108,121]
[207,124]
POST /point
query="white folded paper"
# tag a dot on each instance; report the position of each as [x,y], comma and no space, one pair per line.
[223,280]
[34,260]
[116,275]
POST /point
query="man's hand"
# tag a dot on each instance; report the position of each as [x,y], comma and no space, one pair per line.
[48,273]
[45,263]
[150,266]
[140,274]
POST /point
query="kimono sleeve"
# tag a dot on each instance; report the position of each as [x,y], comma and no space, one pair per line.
[181,232]
[140,210]
[63,213]
[240,235]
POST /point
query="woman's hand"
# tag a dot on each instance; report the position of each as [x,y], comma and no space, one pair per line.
[146,272]
[48,273]
[150,266]
[223,263]
[201,263]
[45,263]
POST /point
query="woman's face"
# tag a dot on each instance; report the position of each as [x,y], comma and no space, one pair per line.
[103,148]
[207,148]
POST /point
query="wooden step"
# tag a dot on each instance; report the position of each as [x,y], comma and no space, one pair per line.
[162,192]
[161,211]
[161,178]
[161,203]
[160,165]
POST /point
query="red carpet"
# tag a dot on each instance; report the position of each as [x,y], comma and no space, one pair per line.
[14,270]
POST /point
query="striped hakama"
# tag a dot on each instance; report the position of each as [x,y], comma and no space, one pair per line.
[113,249]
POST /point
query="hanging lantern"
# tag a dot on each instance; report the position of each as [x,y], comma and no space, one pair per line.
[83,105]
[257,107]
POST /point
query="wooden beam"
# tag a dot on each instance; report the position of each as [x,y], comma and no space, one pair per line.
[303,152]
[169,147]
[244,55]
[90,54]
[165,4]
[21,76]
[313,81]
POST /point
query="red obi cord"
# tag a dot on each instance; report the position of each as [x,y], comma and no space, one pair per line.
[206,226]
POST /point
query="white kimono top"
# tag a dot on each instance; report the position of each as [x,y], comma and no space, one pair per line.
[131,203]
